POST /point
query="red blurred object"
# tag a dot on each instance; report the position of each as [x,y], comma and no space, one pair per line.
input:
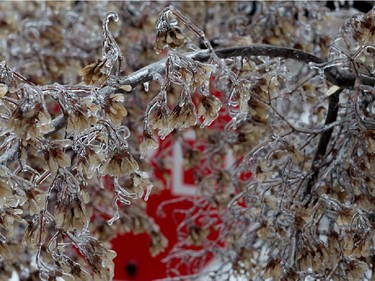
[133,261]
[133,251]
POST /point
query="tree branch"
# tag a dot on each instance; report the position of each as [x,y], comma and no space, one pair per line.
[343,79]
[269,51]
[333,108]
[10,155]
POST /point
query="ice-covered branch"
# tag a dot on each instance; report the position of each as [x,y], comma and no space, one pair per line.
[334,74]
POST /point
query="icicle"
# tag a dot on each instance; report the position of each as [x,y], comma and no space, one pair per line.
[146,86]
[148,191]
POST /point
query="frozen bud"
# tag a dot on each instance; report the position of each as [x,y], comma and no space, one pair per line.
[75,272]
[273,269]
[120,163]
[182,116]
[305,258]
[192,157]
[201,74]
[198,234]
[355,270]
[56,158]
[70,215]
[208,108]
[141,181]
[173,37]
[98,257]
[148,142]
[93,74]
[242,94]
[159,121]
[158,243]
[8,219]
[90,160]
[31,123]
[35,201]
[31,233]
[344,216]
[84,195]
[113,109]
[81,117]
[3,90]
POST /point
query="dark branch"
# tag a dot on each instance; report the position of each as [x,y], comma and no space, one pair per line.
[333,108]
[269,51]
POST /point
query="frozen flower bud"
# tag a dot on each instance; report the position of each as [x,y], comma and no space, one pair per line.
[56,158]
[81,117]
[35,201]
[90,160]
[98,257]
[158,243]
[148,142]
[113,109]
[70,215]
[208,108]
[273,269]
[9,219]
[355,270]
[197,234]
[171,37]
[120,163]
[159,121]
[344,216]
[141,180]
[93,74]
[31,123]
[201,74]
[182,116]
[75,272]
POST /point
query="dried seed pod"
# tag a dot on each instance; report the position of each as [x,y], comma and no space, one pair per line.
[94,73]
[119,163]
[208,108]
[182,116]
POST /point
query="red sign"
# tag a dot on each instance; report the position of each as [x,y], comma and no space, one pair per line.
[133,261]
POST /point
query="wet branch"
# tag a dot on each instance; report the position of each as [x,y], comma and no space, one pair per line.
[333,108]
[10,155]
[341,78]
[269,51]
[150,72]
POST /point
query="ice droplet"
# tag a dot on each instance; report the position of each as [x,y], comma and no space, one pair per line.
[146,86]
[148,191]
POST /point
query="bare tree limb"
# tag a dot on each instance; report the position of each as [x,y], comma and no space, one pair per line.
[333,108]
[343,79]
